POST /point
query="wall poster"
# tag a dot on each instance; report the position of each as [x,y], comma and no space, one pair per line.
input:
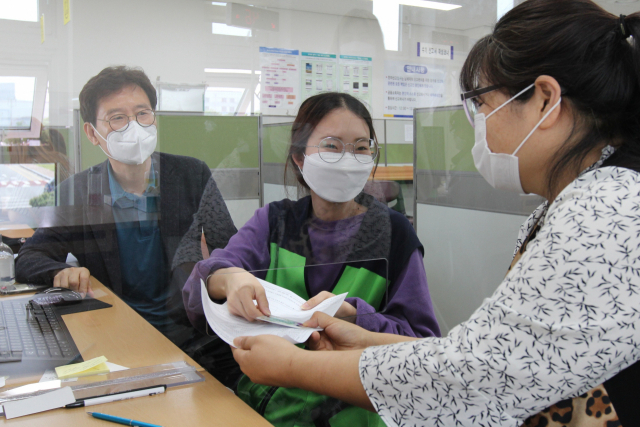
[355,77]
[318,73]
[409,86]
[279,78]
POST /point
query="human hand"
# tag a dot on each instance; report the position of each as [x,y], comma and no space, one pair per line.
[337,334]
[74,278]
[241,289]
[345,310]
[265,358]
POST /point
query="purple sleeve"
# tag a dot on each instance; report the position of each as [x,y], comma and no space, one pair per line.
[248,249]
[409,310]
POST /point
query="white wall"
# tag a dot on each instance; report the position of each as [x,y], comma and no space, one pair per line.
[466,256]
[172,41]
[276,192]
[242,210]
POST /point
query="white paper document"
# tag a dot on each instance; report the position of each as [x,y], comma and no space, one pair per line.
[282,303]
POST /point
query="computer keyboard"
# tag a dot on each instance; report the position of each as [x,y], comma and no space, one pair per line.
[36,338]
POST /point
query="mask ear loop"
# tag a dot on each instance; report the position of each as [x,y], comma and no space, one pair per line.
[104,139]
[514,97]
[537,126]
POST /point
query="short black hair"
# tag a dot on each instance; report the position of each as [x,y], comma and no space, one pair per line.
[109,81]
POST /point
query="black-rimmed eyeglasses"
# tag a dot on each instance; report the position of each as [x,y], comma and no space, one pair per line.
[470,103]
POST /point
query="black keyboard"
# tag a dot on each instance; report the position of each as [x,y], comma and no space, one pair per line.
[34,336]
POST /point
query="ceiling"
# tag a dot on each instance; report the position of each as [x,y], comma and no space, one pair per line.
[472,14]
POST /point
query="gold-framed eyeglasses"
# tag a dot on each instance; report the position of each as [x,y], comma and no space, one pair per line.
[120,122]
[332,149]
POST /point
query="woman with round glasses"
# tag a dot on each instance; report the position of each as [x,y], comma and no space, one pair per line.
[556,93]
[338,239]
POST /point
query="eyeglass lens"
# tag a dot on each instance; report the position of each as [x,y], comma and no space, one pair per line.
[120,122]
[471,109]
[364,150]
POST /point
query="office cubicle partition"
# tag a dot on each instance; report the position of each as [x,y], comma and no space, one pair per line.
[247,154]
[228,145]
[275,136]
[398,142]
[468,228]
[396,149]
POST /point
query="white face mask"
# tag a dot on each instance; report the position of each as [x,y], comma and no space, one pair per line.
[336,182]
[133,146]
[500,169]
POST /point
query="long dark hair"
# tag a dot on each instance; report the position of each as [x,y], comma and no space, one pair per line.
[593,55]
[311,112]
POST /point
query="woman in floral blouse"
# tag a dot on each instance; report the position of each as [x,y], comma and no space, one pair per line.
[554,96]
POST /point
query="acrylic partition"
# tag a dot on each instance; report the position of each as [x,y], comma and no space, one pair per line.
[224,83]
[228,145]
[30,173]
[468,228]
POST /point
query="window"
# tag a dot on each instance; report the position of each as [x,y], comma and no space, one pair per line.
[223,100]
[19,10]
[16,102]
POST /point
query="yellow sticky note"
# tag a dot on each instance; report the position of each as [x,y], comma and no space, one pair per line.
[42,28]
[96,370]
[79,369]
[66,11]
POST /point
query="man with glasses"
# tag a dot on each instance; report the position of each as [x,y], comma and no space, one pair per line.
[123,219]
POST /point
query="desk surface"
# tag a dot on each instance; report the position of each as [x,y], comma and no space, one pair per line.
[126,339]
[394,173]
[15,231]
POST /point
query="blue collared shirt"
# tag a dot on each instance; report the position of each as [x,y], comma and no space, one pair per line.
[142,263]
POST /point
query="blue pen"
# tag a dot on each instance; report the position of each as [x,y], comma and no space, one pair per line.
[120,420]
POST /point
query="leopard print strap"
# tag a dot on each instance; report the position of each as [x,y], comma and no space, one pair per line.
[592,409]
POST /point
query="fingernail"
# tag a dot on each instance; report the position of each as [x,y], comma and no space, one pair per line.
[268,312]
[82,294]
[305,306]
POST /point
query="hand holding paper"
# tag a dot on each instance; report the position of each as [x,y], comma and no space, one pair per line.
[282,303]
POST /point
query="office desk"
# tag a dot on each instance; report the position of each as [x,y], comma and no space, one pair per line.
[16,231]
[394,173]
[126,339]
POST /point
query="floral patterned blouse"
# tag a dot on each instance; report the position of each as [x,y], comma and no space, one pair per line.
[562,322]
